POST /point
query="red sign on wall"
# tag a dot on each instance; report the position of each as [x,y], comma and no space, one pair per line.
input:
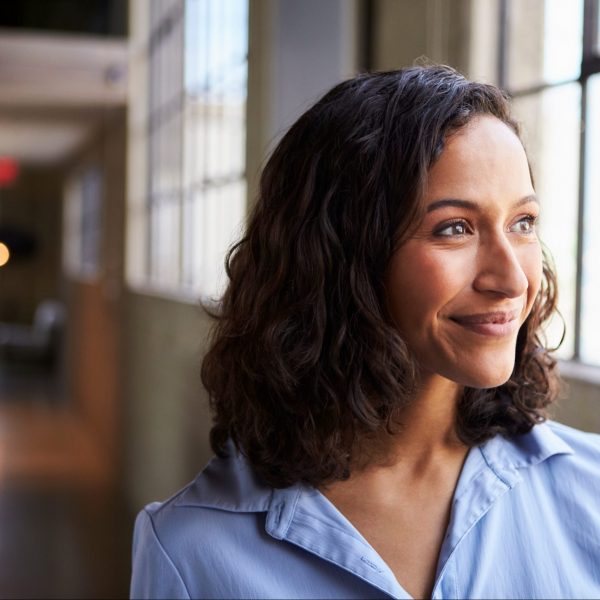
[9,171]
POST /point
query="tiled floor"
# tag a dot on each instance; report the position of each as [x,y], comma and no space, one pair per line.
[63,534]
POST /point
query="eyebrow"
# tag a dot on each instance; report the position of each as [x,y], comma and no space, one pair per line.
[469,204]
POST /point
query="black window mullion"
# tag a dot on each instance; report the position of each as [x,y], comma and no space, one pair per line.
[502,62]
[590,65]
[150,147]
[590,30]
[580,224]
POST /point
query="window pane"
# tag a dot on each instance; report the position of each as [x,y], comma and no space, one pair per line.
[551,122]
[223,213]
[165,141]
[544,41]
[83,224]
[590,307]
[215,222]
[164,249]
[91,221]
[215,76]
[192,237]
[72,226]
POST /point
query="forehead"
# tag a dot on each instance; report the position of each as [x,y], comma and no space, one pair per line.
[483,159]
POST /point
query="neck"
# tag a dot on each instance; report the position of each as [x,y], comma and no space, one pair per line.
[426,430]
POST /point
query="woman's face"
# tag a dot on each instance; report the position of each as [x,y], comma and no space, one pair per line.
[460,288]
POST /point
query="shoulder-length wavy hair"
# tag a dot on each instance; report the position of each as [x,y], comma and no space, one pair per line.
[304,361]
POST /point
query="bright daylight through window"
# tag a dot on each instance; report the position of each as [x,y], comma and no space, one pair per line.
[557,97]
[195,59]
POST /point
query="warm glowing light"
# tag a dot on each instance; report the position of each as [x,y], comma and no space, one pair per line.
[4,254]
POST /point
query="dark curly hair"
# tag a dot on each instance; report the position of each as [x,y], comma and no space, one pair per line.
[304,361]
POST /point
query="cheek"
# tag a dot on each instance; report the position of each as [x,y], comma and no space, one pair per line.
[421,284]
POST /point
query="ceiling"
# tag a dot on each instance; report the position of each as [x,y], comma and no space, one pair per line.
[55,90]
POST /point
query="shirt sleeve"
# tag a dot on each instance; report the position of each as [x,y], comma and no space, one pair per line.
[153,573]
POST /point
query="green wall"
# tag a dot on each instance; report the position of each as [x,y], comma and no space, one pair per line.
[166,416]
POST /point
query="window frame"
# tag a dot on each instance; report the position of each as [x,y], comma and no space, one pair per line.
[163,258]
[590,66]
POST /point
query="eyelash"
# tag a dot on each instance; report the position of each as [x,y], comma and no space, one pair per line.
[448,224]
[530,219]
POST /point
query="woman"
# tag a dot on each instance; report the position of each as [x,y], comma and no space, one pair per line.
[376,374]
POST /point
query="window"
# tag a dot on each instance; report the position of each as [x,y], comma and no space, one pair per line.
[165,112]
[82,218]
[215,83]
[550,64]
[195,198]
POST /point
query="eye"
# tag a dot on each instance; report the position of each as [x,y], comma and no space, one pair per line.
[524,225]
[455,228]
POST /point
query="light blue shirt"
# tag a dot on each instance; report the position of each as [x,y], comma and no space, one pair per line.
[525,523]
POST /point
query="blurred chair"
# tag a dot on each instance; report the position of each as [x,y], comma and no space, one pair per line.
[36,344]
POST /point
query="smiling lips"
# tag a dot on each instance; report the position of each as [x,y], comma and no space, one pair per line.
[494,324]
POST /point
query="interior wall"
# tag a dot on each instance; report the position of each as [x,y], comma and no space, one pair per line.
[580,406]
[167,413]
[95,307]
[405,31]
[297,51]
[33,203]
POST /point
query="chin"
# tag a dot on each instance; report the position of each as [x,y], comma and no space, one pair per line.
[484,378]
[481,371]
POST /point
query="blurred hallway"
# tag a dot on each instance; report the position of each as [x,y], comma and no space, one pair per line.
[64,528]
[63,533]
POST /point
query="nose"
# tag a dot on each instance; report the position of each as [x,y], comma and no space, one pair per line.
[499,269]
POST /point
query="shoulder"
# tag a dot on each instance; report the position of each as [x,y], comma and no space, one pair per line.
[552,459]
[226,489]
[581,441]
[194,537]
[569,470]
[585,447]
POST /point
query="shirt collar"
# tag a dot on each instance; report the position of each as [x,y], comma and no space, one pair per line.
[229,483]
[489,472]
[301,515]
[298,514]
[506,456]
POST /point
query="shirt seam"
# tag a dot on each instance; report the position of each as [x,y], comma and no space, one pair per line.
[474,520]
[456,579]
[302,542]
[292,512]
[352,536]
[173,565]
